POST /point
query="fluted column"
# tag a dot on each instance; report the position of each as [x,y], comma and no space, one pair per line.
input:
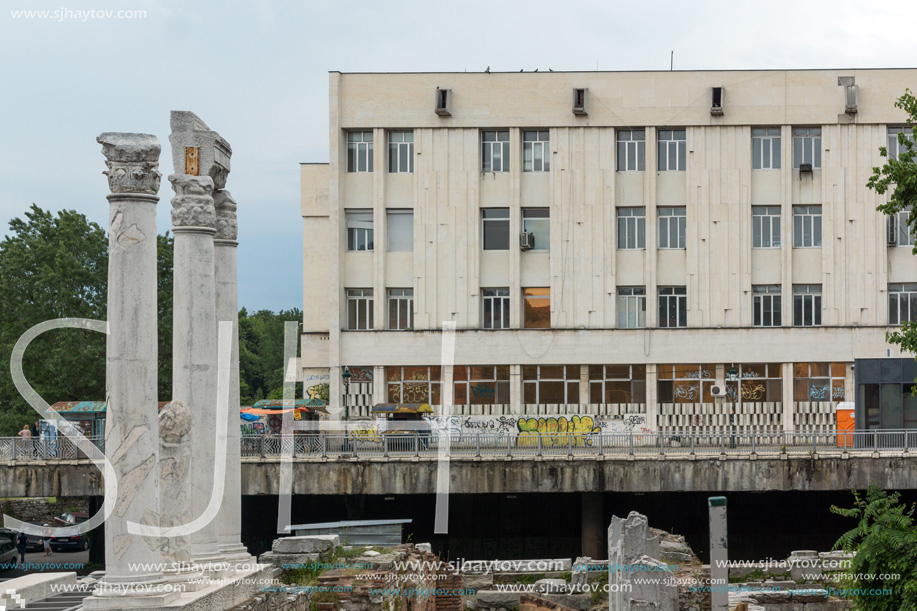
[227,308]
[194,345]
[132,579]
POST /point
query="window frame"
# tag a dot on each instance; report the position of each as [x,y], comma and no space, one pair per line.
[403,301]
[603,376]
[631,302]
[902,299]
[433,383]
[401,152]
[358,150]
[767,220]
[805,213]
[767,305]
[465,377]
[391,213]
[530,293]
[807,142]
[630,149]
[352,217]
[500,295]
[536,142]
[894,147]
[570,382]
[671,142]
[899,231]
[666,217]
[494,220]
[637,226]
[765,148]
[359,298]
[487,151]
[538,214]
[807,297]
[666,294]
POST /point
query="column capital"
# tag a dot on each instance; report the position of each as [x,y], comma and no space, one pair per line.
[133,162]
[192,205]
[226,224]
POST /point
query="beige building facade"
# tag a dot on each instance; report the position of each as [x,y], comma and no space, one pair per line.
[610,244]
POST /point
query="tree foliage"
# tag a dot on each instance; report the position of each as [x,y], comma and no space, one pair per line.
[885,542]
[900,176]
[261,353]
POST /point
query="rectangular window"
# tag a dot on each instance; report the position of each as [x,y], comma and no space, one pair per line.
[673,306]
[414,385]
[359,229]
[360,151]
[902,303]
[496,308]
[899,233]
[400,225]
[807,147]
[481,384]
[495,227]
[766,305]
[617,383]
[495,151]
[765,226]
[550,384]
[685,383]
[536,151]
[536,308]
[806,226]
[400,309]
[631,307]
[359,309]
[631,150]
[765,148]
[401,152]
[806,305]
[895,146]
[537,221]
[672,150]
[631,228]
[819,381]
[672,227]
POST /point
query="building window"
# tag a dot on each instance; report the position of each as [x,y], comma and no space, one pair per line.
[496,308]
[759,382]
[806,226]
[899,232]
[765,226]
[481,384]
[895,147]
[414,384]
[401,152]
[631,228]
[765,148]
[359,309]
[400,225]
[495,225]
[537,221]
[807,147]
[672,227]
[631,150]
[631,307]
[819,381]
[617,383]
[536,308]
[360,151]
[902,303]
[672,147]
[685,383]
[806,305]
[359,230]
[673,306]
[550,384]
[766,305]
[536,151]
[495,151]
[400,309]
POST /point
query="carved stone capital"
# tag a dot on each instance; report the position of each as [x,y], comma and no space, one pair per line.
[214,152]
[227,226]
[192,205]
[133,162]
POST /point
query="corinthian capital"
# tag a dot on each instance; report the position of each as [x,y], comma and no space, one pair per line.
[133,162]
[192,205]
[227,227]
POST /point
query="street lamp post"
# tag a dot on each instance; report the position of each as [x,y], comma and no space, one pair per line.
[346,375]
[733,376]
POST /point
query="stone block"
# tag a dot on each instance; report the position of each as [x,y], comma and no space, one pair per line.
[809,595]
[477,582]
[293,561]
[582,602]
[545,586]
[311,544]
[770,598]
[492,599]
[425,547]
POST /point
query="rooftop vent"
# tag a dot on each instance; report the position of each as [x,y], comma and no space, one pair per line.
[716,107]
[579,101]
[444,102]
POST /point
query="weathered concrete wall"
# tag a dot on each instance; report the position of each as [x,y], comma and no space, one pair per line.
[77,478]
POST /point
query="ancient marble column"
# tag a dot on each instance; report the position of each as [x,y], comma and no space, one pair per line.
[194,345]
[227,308]
[132,577]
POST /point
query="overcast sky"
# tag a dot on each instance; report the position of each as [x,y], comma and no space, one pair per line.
[257,72]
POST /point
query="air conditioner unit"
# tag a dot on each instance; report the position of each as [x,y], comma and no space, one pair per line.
[893,230]
[805,168]
[579,101]
[444,102]
[851,105]
[718,391]
[526,241]
[716,106]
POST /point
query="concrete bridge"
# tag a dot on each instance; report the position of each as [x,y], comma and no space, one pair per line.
[407,464]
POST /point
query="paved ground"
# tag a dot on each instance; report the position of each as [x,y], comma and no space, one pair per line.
[48,563]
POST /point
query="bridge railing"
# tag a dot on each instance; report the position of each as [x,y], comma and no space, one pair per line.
[524,445]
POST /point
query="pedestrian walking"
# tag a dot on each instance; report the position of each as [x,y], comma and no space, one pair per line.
[26,435]
[22,544]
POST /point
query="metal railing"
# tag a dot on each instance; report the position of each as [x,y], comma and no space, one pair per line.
[526,445]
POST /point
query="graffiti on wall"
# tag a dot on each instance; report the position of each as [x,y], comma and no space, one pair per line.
[318,391]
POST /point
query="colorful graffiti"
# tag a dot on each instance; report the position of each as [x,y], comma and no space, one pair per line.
[252,428]
[318,391]
[556,431]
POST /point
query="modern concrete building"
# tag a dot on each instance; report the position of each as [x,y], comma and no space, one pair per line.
[609,244]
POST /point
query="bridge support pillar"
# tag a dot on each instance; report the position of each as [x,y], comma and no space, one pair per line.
[592,527]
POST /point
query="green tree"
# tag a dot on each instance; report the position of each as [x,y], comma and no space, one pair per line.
[885,542]
[900,176]
[261,353]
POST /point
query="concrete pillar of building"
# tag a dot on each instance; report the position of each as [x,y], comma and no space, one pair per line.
[132,579]
[380,390]
[194,346]
[583,389]
[789,405]
[516,401]
[719,554]
[226,286]
[652,404]
[592,530]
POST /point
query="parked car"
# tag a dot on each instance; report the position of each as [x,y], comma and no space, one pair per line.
[8,555]
[71,543]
